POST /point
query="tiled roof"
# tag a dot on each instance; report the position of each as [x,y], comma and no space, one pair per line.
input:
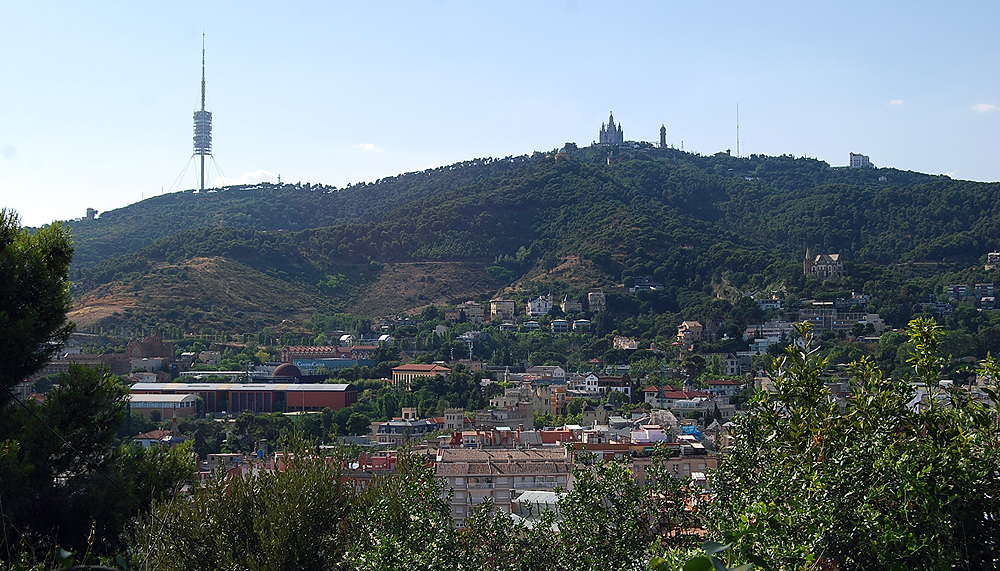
[152,435]
[421,368]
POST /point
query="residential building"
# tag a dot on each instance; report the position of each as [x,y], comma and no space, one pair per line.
[689,333]
[619,383]
[520,416]
[539,306]
[581,326]
[503,309]
[560,326]
[475,476]
[455,419]
[545,373]
[646,283]
[957,292]
[298,353]
[157,438]
[399,431]
[729,364]
[473,312]
[571,305]
[596,300]
[984,290]
[625,343]
[824,317]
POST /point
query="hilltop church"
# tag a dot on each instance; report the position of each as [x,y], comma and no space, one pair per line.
[610,134]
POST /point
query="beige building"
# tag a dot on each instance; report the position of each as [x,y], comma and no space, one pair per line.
[596,301]
[475,476]
[403,375]
[502,309]
[690,332]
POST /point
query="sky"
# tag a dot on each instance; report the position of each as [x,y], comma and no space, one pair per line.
[97,98]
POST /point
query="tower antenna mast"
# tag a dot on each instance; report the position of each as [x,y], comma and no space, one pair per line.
[203,122]
[737,121]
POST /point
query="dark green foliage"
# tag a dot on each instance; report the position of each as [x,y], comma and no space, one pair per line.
[58,486]
[880,484]
[310,517]
[285,520]
[34,298]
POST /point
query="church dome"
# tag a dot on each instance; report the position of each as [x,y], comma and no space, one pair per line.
[287,370]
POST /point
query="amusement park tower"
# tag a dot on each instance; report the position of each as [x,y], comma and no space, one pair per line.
[203,123]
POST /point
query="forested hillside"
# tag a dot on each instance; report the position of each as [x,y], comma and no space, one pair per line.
[708,228]
[266,206]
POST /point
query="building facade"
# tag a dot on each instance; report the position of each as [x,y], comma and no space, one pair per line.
[611,134]
[475,476]
[823,266]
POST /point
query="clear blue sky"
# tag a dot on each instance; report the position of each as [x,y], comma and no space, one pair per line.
[96,99]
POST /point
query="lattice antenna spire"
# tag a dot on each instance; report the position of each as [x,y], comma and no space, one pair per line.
[203,71]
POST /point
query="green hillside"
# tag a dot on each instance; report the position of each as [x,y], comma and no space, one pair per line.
[266,206]
[708,228]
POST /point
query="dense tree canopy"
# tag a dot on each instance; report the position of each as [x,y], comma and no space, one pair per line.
[34,298]
[878,483]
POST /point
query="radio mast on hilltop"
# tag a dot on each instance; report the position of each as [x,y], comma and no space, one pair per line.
[203,123]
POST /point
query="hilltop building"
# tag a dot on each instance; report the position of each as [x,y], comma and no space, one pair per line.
[663,136]
[823,266]
[610,134]
[859,161]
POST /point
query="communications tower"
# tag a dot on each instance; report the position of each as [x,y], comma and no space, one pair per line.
[203,123]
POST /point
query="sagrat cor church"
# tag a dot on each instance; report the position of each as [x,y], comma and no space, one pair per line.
[611,135]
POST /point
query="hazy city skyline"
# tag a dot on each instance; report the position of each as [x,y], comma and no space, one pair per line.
[96,108]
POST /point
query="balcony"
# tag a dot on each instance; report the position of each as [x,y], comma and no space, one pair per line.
[544,485]
[482,486]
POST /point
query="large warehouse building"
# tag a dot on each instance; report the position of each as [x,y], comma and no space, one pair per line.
[258,397]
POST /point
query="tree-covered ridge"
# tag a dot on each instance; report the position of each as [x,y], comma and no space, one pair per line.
[783,203]
[266,206]
[709,229]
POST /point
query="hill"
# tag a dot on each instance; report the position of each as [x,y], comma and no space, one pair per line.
[266,207]
[707,228]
